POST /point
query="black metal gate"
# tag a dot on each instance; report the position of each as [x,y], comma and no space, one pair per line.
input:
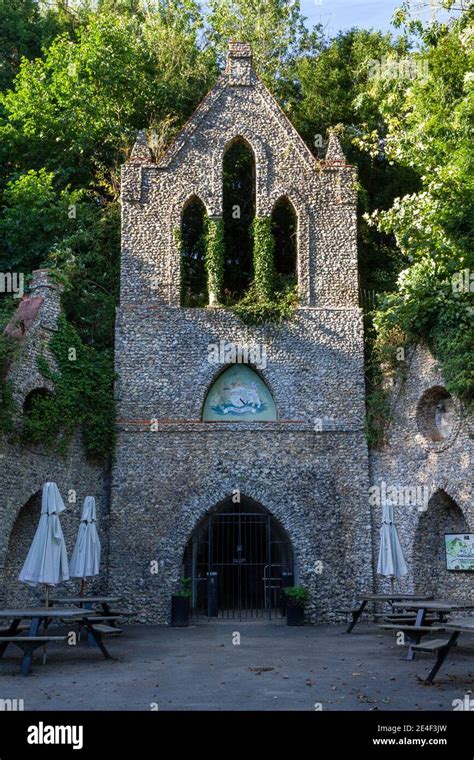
[239,561]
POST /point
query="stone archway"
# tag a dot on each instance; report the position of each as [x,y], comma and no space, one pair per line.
[443,516]
[16,594]
[239,558]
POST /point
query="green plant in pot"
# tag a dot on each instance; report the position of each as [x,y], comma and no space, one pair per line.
[296,598]
[181,604]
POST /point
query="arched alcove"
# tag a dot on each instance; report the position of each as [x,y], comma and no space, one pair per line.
[239,558]
[430,568]
[22,534]
[239,179]
[33,397]
[284,227]
[193,271]
[239,394]
[435,414]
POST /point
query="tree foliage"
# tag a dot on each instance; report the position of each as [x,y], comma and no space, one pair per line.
[79,78]
[429,127]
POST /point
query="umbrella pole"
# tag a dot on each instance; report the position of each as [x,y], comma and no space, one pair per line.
[46,624]
[392,583]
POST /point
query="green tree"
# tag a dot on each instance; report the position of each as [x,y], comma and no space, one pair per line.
[76,111]
[36,218]
[276,30]
[429,127]
[335,88]
[20,35]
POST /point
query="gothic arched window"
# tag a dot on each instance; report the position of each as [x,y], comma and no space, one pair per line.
[284,227]
[238,214]
[193,271]
[239,395]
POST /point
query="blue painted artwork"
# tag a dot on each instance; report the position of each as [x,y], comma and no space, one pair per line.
[239,394]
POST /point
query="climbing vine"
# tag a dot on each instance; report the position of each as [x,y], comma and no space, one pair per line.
[385,359]
[271,297]
[214,258]
[257,309]
[83,397]
[263,250]
[8,348]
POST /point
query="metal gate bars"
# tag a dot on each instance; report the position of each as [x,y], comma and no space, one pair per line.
[239,562]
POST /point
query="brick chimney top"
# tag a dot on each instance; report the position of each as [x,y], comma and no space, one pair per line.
[239,63]
[239,49]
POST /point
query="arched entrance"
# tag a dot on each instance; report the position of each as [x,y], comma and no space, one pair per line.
[443,519]
[239,558]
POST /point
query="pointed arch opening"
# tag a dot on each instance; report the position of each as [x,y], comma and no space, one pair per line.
[193,270]
[239,204]
[239,394]
[239,559]
[21,537]
[284,229]
[442,520]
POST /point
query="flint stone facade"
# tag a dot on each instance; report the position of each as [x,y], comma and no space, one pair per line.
[310,468]
[443,468]
[25,468]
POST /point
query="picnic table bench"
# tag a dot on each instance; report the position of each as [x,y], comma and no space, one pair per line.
[441,607]
[395,600]
[413,633]
[442,647]
[89,602]
[38,616]
[402,617]
[106,622]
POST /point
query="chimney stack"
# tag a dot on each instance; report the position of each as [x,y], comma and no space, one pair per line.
[239,64]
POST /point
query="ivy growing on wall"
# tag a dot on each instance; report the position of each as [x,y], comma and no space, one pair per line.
[214,258]
[83,397]
[8,348]
[263,251]
[256,309]
[271,297]
[383,362]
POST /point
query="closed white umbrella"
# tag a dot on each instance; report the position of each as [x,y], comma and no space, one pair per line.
[46,562]
[47,558]
[391,562]
[85,560]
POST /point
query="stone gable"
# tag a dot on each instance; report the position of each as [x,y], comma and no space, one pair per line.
[323,194]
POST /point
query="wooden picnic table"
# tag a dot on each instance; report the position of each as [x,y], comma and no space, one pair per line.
[439,605]
[38,615]
[110,616]
[88,601]
[443,647]
[444,607]
[394,600]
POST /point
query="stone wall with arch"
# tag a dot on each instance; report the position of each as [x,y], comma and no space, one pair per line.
[441,466]
[23,473]
[25,467]
[311,483]
[443,515]
[327,266]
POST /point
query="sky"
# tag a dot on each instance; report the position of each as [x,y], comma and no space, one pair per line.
[337,15]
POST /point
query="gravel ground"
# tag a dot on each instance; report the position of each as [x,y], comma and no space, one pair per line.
[275,667]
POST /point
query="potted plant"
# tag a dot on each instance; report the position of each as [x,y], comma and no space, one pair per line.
[296,598]
[181,603]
